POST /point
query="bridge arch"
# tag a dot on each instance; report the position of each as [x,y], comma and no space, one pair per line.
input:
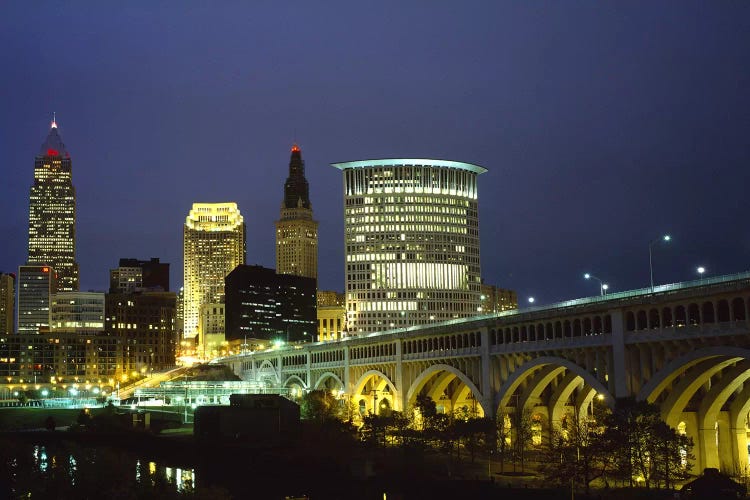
[324,377]
[664,377]
[373,386]
[295,380]
[267,373]
[444,376]
[716,425]
[528,369]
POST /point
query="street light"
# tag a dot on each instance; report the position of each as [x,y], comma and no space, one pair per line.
[531,300]
[700,270]
[602,285]
[666,238]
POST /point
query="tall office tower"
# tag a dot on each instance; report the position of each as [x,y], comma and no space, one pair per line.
[213,245]
[262,304]
[133,274]
[7,302]
[36,285]
[296,231]
[52,212]
[411,233]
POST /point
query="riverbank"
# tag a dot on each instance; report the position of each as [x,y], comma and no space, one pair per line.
[308,468]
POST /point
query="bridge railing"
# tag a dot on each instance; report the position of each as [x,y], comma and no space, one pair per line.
[715,280]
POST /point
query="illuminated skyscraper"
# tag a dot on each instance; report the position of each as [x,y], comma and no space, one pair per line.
[36,285]
[214,244]
[52,212]
[7,301]
[411,232]
[296,231]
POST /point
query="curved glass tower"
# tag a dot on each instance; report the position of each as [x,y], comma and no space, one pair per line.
[411,232]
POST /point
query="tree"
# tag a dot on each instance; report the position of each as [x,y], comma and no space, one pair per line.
[427,409]
[577,452]
[503,429]
[319,405]
[644,446]
[522,434]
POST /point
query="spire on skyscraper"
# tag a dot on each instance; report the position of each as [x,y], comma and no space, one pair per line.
[296,189]
[53,145]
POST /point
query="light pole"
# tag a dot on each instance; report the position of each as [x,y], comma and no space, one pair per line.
[602,285]
[665,238]
[531,300]
[700,270]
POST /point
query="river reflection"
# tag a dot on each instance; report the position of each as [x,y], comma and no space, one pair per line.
[61,470]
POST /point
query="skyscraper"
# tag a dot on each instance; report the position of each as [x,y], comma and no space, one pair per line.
[213,245]
[296,231]
[36,285]
[7,302]
[411,233]
[262,304]
[52,212]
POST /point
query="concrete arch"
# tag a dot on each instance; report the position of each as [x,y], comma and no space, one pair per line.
[720,393]
[266,368]
[529,368]
[654,387]
[542,379]
[360,384]
[425,376]
[681,393]
[739,408]
[298,379]
[326,376]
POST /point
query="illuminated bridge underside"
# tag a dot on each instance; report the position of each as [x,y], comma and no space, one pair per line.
[684,347]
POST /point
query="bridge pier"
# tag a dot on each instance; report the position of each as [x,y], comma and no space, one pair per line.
[739,450]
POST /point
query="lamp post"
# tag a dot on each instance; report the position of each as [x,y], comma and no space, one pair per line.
[666,238]
[531,300]
[602,285]
[700,270]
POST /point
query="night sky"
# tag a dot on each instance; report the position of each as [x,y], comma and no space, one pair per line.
[602,124]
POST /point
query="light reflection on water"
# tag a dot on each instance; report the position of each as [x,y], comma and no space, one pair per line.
[183,479]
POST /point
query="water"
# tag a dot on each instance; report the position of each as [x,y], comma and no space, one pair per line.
[62,469]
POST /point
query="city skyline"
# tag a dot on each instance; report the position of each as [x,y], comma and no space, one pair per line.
[596,141]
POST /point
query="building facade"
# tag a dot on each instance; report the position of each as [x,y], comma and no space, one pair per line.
[495,300]
[60,358]
[411,242]
[52,212]
[144,322]
[79,312]
[296,231]
[7,302]
[261,304]
[134,274]
[212,330]
[213,245]
[331,315]
[36,285]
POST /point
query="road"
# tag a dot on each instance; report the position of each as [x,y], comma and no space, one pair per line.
[152,381]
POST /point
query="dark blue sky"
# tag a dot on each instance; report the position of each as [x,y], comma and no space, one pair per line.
[602,124]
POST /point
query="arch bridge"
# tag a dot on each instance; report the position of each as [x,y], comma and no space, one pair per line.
[684,347]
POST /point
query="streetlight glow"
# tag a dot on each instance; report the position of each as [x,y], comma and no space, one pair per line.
[531,300]
[701,270]
[665,238]
[602,285]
